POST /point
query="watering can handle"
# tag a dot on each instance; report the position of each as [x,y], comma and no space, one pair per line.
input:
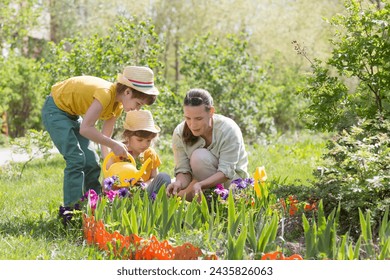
[116,159]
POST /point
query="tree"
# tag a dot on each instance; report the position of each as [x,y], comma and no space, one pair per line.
[355,82]
[16,18]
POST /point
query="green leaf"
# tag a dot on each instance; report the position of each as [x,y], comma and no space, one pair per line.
[126,223]
[133,221]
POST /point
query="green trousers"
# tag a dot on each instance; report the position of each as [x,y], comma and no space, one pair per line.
[82,169]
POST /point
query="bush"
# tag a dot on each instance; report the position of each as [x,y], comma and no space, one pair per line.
[356,173]
[21,93]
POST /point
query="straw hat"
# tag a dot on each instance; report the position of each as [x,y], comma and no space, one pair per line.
[139,78]
[140,120]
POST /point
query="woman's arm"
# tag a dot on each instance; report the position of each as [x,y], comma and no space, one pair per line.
[212,181]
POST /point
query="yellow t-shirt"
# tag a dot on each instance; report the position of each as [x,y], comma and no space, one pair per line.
[155,162]
[75,95]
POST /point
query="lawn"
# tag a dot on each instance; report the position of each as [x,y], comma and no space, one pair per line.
[30,229]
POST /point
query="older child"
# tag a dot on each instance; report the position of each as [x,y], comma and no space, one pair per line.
[139,132]
[71,111]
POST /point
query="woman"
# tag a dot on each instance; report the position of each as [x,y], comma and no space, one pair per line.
[208,148]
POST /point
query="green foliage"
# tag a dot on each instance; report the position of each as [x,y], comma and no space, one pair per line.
[320,236]
[354,82]
[348,250]
[21,93]
[34,143]
[329,107]
[380,251]
[17,16]
[282,86]
[352,86]
[356,172]
[234,79]
[384,236]
[322,241]
[129,42]
[363,50]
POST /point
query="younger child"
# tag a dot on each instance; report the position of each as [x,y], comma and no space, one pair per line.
[139,132]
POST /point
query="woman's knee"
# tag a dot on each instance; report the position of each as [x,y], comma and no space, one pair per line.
[203,164]
[201,157]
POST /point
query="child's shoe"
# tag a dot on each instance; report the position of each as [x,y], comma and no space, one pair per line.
[66,213]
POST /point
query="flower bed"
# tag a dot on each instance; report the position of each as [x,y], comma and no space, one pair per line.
[137,248]
[238,223]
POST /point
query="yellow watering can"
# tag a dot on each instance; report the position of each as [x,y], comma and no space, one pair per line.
[126,171]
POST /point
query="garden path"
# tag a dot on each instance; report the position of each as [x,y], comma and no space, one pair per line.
[7,155]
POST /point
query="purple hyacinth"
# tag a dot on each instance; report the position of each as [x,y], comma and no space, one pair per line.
[109,182]
[123,192]
[153,196]
[249,181]
[240,183]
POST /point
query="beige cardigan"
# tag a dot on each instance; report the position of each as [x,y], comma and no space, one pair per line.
[227,146]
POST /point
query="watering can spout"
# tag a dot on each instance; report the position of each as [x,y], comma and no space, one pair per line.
[143,168]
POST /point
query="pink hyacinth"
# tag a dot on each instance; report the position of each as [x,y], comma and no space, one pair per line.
[221,191]
[111,195]
[92,198]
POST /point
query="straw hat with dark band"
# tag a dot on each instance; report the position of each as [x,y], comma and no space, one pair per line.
[140,120]
[139,78]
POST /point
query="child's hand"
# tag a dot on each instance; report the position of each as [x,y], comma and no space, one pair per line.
[120,150]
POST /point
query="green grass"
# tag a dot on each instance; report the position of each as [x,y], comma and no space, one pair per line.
[289,159]
[30,229]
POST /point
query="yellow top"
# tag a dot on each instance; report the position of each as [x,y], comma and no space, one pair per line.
[75,95]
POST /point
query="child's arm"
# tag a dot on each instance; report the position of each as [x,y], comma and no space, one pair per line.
[107,129]
[88,130]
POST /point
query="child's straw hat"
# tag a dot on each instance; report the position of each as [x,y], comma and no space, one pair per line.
[140,120]
[139,78]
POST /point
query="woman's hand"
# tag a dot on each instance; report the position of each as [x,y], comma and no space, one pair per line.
[197,189]
[174,188]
